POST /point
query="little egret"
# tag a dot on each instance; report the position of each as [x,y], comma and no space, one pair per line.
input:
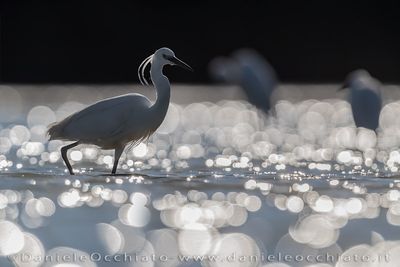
[116,122]
[365,98]
[249,70]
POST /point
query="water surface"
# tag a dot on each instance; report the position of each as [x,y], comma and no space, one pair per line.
[219,184]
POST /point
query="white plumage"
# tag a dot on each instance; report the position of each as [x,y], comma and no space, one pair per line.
[116,122]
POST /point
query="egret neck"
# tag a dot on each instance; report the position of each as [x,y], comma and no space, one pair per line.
[163,90]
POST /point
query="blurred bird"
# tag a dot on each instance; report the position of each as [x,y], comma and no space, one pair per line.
[249,70]
[116,122]
[365,98]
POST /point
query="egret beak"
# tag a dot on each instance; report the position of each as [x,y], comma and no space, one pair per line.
[180,63]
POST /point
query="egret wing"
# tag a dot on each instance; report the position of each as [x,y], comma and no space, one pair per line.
[103,119]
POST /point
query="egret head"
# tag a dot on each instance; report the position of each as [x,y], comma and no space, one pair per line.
[163,56]
[167,57]
[225,69]
[355,77]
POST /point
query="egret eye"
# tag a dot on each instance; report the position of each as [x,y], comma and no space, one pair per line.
[167,57]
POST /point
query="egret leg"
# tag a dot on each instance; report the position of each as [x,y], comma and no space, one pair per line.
[64,151]
[117,155]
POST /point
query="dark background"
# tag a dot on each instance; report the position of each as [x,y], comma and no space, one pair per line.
[105,41]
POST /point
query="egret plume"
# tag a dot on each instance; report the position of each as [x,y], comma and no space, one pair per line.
[142,68]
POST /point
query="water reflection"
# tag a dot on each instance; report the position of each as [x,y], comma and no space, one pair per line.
[217,179]
[228,134]
[196,221]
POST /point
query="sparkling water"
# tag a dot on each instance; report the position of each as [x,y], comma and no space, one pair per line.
[219,184]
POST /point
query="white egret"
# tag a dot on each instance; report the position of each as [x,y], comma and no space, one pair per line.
[116,122]
[365,98]
[248,69]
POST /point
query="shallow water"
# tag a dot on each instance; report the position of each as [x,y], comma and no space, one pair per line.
[301,186]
